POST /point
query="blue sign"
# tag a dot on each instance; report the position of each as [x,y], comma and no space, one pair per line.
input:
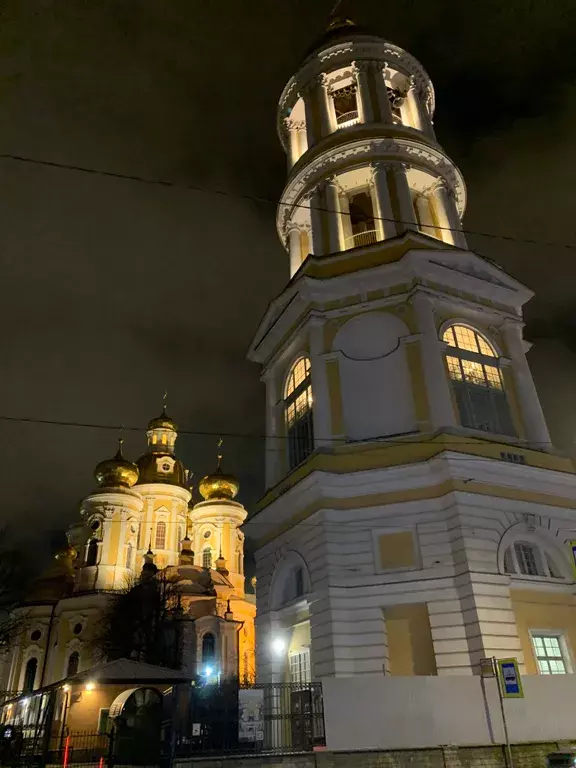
[511,684]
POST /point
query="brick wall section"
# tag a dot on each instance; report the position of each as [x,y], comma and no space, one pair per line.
[524,756]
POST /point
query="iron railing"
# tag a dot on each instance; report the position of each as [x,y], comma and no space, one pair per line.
[259,719]
[348,118]
[362,238]
[30,746]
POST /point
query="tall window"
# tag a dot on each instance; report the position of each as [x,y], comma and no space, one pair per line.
[300,667]
[528,559]
[208,648]
[73,662]
[160,542]
[129,556]
[30,675]
[477,381]
[92,554]
[207,558]
[298,412]
[551,655]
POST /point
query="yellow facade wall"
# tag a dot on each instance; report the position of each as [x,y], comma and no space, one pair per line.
[535,610]
[410,648]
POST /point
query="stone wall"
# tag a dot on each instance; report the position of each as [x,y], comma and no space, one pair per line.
[523,756]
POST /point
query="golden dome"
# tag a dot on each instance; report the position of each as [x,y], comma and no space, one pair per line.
[218,485]
[116,472]
[163,422]
[161,467]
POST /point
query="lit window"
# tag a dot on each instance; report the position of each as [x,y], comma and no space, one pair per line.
[525,558]
[300,667]
[160,541]
[477,381]
[550,652]
[298,412]
[207,558]
[359,225]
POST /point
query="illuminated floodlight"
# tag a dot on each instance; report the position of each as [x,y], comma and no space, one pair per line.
[278,645]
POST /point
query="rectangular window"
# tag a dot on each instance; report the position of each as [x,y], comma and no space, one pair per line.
[103,720]
[550,652]
[300,667]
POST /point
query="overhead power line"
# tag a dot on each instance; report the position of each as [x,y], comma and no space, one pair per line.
[262,200]
[388,441]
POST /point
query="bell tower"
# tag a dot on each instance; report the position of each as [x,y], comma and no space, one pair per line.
[395,373]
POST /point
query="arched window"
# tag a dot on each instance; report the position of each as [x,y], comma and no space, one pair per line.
[208,648]
[160,541]
[207,558]
[298,412]
[73,662]
[129,556]
[92,554]
[30,675]
[526,558]
[477,381]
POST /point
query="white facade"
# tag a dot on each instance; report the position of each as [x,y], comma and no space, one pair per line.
[417,518]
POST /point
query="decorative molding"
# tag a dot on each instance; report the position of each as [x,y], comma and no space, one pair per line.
[342,55]
[367,151]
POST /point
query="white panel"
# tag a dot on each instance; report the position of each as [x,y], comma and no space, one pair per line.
[376,389]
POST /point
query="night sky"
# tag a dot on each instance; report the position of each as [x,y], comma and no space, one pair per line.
[113,291]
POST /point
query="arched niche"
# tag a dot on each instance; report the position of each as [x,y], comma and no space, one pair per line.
[290,581]
[375,380]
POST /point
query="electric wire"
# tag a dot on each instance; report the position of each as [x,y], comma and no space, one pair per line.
[405,440]
[264,200]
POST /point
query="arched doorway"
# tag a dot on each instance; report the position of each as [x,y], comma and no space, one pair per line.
[136,715]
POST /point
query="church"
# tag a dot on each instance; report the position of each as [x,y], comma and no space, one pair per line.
[417,519]
[140,521]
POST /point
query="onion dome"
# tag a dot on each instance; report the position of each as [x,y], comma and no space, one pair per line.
[163,422]
[340,29]
[116,472]
[161,468]
[218,485]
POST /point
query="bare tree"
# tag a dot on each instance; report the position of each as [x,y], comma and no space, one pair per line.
[13,581]
[143,623]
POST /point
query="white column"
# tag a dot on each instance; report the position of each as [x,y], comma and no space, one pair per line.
[437,384]
[346,223]
[362,78]
[273,437]
[425,216]
[335,235]
[406,212]
[327,116]
[316,203]
[382,94]
[447,215]
[413,101]
[295,249]
[320,393]
[308,94]
[293,144]
[385,224]
[302,138]
[532,415]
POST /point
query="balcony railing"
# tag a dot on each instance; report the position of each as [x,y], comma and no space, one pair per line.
[348,118]
[362,238]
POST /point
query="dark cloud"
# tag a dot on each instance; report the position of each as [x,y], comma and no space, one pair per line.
[113,291]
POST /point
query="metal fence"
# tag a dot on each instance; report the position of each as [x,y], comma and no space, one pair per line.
[232,719]
[20,747]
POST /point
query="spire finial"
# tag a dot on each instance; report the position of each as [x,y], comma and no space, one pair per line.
[165,402]
[219,454]
[150,544]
